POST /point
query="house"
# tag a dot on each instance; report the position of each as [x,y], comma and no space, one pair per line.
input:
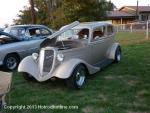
[128,14]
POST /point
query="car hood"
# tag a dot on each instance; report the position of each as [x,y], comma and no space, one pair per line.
[52,38]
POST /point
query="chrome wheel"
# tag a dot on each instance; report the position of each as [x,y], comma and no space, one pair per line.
[11,63]
[118,55]
[80,77]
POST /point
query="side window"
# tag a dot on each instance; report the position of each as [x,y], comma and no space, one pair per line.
[45,32]
[98,33]
[34,32]
[17,31]
[110,30]
[14,32]
[83,34]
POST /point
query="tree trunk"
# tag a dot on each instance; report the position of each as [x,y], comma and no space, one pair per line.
[32,12]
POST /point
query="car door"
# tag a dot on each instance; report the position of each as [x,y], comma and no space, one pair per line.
[26,48]
[25,45]
[97,44]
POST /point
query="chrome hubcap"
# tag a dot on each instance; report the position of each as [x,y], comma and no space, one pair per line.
[80,77]
[119,57]
[11,63]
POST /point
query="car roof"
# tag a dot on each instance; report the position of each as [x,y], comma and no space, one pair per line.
[92,24]
[28,26]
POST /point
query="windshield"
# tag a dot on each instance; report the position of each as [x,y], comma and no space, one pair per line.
[74,34]
[19,32]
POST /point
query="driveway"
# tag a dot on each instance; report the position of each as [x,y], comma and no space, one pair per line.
[5,80]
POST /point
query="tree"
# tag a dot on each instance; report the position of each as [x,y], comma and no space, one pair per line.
[56,13]
[24,17]
[82,10]
[33,15]
[85,10]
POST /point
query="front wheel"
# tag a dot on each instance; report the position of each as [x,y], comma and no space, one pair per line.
[11,62]
[27,77]
[118,55]
[78,77]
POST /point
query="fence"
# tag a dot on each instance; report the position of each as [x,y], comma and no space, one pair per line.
[135,27]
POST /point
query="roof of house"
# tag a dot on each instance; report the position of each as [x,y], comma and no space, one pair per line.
[118,14]
[140,8]
[123,13]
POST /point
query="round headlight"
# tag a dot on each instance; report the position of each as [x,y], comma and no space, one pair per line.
[60,57]
[35,56]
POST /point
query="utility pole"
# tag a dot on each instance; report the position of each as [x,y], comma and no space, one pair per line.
[32,12]
[137,10]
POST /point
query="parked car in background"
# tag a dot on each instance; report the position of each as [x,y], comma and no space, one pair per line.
[25,32]
[17,42]
[73,52]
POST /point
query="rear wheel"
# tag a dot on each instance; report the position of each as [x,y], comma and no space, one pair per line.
[78,77]
[118,55]
[11,62]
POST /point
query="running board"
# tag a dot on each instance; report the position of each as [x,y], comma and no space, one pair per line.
[103,63]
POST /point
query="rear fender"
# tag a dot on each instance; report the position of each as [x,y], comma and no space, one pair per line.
[112,50]
[66,68]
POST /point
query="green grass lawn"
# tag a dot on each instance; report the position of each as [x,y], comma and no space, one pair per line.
[119,88]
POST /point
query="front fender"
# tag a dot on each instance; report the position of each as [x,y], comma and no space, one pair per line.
[29,65]
[65,69]
[112,50]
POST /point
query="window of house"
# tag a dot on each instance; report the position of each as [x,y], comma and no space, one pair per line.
[98,33]
[144,17]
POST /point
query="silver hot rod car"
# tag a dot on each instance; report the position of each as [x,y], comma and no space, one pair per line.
[73,52]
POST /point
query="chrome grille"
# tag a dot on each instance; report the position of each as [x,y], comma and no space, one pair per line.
[48,60]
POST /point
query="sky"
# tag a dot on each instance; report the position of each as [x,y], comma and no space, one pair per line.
[10,8]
